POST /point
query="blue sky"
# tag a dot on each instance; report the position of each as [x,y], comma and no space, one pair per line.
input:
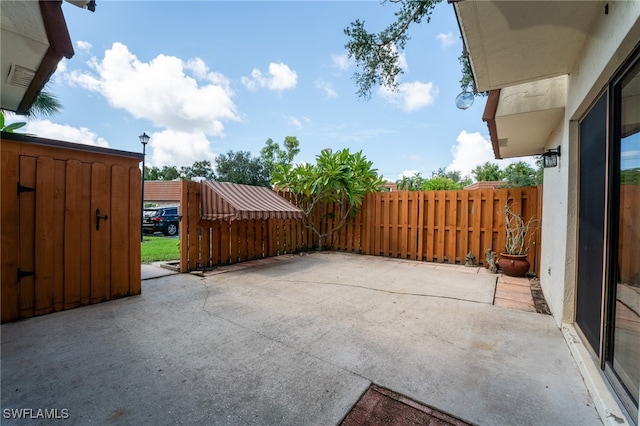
[205,77]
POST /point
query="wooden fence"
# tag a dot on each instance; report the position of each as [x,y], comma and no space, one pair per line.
[433,226]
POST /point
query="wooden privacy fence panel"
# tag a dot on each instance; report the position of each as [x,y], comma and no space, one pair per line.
[433,226]
[438,226]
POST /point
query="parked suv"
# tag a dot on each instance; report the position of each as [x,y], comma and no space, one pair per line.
[161,219]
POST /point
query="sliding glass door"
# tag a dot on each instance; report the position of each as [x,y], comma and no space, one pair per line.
[623,355]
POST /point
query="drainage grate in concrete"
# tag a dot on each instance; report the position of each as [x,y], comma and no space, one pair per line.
[380,406]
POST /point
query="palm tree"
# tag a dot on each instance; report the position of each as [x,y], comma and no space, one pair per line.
[45,105]
[411,183]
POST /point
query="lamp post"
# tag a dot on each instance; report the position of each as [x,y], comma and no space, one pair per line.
[144,140]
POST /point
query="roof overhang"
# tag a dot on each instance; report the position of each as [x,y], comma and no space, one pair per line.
[521,52]
[34,38]
[518,41]
[522,118]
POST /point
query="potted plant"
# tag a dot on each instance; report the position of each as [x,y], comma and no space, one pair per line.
[520,234]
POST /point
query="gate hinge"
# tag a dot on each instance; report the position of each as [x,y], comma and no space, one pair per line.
[23,274]
[22,189]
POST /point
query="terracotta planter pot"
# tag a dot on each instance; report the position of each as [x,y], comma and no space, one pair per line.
[513,265]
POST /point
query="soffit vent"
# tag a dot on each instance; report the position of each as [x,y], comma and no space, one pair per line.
[503,142]
[20,76]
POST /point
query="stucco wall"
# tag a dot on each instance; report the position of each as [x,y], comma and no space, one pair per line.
[553,266]
[611,41]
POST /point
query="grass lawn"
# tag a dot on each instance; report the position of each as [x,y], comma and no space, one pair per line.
[155,249]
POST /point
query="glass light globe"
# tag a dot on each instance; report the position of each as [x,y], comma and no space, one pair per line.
[464,100]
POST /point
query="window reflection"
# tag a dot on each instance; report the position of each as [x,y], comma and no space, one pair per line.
[626,350]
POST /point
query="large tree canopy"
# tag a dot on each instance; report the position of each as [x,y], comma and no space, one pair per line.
[156,173]
[522,174]
[440,180]
[273,156]
[376,54]
[199,170]
[487,172]
[234,166]
[337,177]
[630,176]
[241,167]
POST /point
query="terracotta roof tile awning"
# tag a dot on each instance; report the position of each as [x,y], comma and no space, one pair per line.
[231,201]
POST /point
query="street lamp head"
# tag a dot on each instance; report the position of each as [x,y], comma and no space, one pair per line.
[144,138]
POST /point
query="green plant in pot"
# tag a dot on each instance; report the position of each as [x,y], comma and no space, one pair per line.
[520,235]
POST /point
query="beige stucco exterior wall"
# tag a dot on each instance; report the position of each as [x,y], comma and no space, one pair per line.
[553,267]
[611,41]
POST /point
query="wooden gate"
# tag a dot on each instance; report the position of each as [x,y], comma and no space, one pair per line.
[70,227]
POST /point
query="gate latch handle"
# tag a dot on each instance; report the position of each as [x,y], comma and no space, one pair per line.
[98,217]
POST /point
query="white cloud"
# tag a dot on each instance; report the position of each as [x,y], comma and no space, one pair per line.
[411,96]
[279,77]
[176,148]
[198,67]
[408,173]
[293,121]
[341,61]
[83,45]
[402,62]
[446,40]
[470,150]
[181,96]
[327,88]
[60,69]
[64,132]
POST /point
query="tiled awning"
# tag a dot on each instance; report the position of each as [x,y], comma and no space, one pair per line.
[231,201]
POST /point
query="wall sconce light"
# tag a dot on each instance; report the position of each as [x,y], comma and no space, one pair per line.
[550,158]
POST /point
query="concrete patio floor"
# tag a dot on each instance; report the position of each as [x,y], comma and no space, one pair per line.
[295,341]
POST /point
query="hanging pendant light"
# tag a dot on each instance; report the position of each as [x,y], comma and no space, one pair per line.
[464,100]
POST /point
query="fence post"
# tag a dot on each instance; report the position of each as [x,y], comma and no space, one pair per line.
[419,211]
[184,221]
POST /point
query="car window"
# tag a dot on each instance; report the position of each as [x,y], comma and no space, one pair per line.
[171,212]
